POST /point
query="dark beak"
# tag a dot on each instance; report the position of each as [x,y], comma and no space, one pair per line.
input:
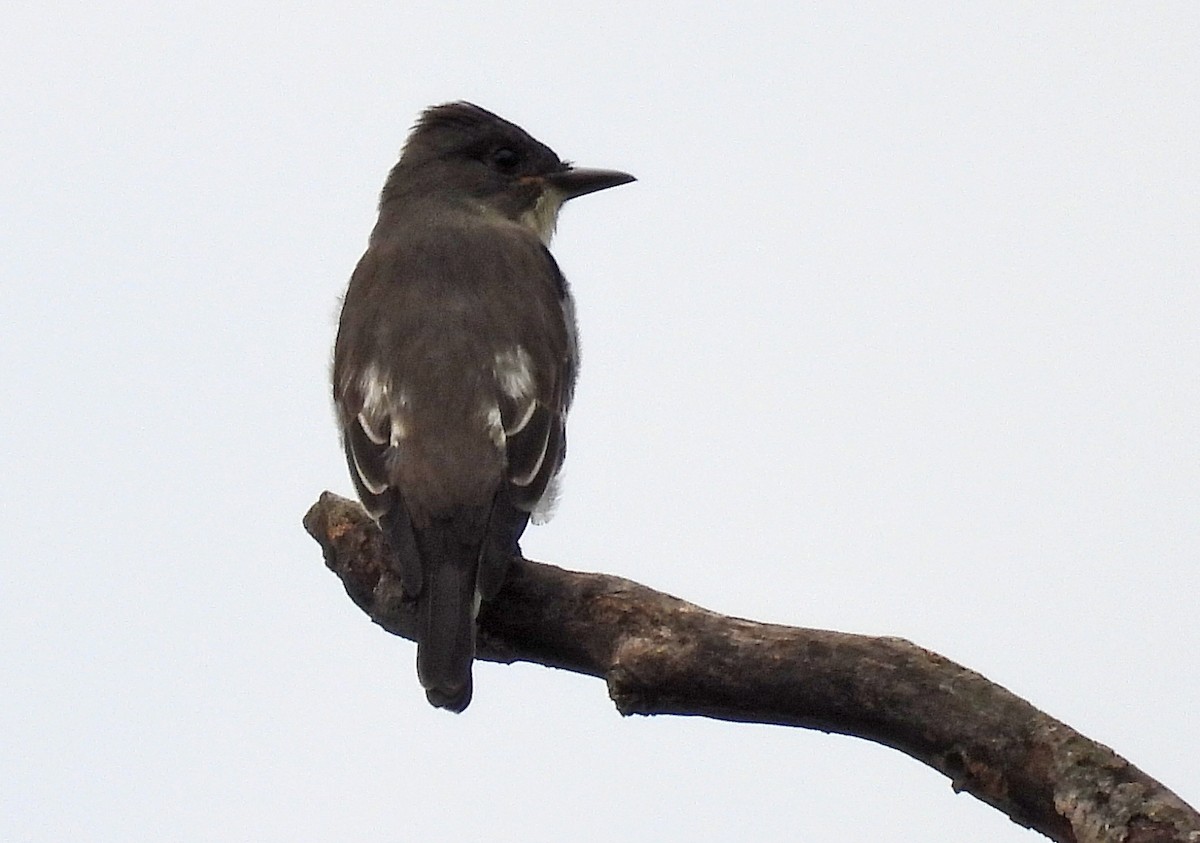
[579,181]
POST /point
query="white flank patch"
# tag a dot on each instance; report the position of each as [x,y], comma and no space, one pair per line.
[382,413]
[398,431]
[514,372]
[374,391]
[495,426]
[543,510]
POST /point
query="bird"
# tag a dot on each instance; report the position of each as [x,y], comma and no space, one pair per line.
[454,368]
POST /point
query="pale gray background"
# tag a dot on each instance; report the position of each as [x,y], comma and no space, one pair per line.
[897,333]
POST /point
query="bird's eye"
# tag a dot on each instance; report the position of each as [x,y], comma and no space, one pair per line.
[505,159]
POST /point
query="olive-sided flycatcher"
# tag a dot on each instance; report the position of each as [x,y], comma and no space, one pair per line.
[454,367]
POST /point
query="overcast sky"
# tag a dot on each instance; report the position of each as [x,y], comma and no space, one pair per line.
[897,333]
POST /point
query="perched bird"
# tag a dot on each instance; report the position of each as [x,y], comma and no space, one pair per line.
[455,365]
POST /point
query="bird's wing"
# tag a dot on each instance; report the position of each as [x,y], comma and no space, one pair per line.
[372,422]
[533,446]
[530,422]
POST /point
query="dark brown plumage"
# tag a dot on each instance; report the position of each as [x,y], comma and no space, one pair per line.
[455,366]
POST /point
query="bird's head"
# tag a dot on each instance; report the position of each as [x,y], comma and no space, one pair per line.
[464,153]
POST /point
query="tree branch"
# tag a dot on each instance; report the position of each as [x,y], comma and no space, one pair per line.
[662,655]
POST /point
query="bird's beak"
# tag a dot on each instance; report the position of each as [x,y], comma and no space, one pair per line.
[579,181]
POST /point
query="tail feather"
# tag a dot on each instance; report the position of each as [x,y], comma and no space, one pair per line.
[502,544]
[446,616]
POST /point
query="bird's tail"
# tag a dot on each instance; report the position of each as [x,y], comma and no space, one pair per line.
[446,609]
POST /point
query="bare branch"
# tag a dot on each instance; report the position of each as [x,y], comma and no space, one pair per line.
[662,655]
